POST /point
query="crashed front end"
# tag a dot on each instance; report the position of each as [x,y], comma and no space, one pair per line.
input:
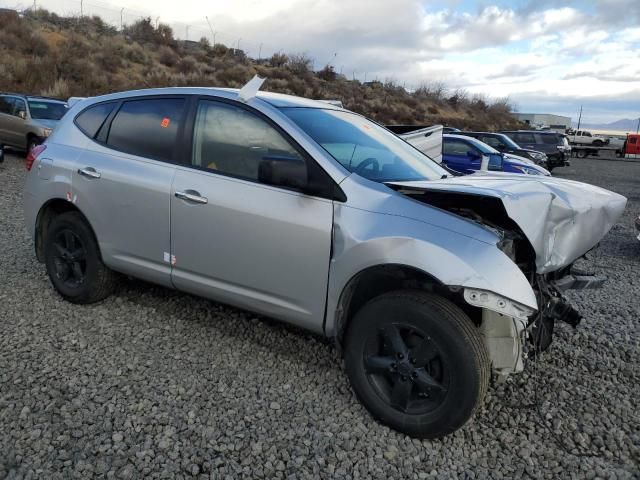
[545,225]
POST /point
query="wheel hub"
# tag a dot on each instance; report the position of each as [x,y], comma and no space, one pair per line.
[400,369]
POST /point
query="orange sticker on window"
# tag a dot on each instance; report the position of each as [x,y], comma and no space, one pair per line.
[165,122]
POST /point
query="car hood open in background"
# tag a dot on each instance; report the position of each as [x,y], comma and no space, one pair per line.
[562,219]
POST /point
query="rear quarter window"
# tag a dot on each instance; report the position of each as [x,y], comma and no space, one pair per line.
[148,128]
[524,138]
[91,119]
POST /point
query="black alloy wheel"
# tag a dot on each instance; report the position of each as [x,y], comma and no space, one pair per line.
[70,262]
[406,368]
[416,362]
[73,260]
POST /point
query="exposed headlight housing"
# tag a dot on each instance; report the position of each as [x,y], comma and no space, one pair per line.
[46,132]
[538,156]
[497,303]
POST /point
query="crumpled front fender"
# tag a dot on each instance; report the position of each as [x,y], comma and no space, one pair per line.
[364,239]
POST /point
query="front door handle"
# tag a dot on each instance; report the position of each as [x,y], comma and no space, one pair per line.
[89,172]
[192,196]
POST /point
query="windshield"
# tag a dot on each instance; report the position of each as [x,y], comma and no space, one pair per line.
[364,147]
[47,110]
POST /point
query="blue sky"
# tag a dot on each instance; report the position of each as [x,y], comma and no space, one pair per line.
[546,56]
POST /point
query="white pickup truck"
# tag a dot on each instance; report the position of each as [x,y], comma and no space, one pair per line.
[583,137]
[426,139]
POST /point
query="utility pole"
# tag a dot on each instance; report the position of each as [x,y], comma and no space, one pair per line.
[81,9]
[579,120]
[238,44]
[213,33]
[260,52]
[35,7]
[121,22]
[157,18]
[638,127]
[187,31]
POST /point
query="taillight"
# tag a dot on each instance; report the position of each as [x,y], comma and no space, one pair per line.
[33,155]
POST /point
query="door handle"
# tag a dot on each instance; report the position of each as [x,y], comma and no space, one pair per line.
[89,172]
[192,196]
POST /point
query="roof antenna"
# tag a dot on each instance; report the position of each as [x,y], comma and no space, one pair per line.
[250,89]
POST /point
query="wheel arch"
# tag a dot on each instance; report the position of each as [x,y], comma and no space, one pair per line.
[376,280]
[51,209]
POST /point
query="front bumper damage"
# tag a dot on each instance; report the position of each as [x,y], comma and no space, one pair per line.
[509,338]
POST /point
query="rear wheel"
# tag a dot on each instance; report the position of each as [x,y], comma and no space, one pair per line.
[598,143]
[73,261]
[417,363]
[581,154]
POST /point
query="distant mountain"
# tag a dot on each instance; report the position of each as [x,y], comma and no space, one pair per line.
[623,125]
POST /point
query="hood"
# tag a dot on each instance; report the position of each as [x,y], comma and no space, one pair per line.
[525,162]
[45,123]
[562,219]
[518,159]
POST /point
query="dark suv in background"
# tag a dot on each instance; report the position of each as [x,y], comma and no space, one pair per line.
[554,145]
[504,144]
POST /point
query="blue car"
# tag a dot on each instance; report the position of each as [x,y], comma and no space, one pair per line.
[465,154]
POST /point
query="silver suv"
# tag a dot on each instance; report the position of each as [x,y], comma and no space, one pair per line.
[317,216]
[25,120]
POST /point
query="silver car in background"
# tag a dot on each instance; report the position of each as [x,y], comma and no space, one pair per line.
[27,120]
[317,216]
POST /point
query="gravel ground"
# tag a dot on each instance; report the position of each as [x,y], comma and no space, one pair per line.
[155,383]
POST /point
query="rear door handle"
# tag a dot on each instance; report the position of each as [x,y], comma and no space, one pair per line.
[192,196]
[89,172]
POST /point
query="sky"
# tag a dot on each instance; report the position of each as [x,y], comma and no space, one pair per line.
[546,56]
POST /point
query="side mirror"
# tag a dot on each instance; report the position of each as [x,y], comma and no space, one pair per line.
[283,171]
[473,154]
[22,114]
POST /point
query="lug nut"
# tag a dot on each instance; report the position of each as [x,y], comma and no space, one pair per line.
[403,378]
[412,360]
[400,356]
[414,374]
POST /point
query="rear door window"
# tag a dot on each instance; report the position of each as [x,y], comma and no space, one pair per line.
[147,127]
[91,119]
[6,105]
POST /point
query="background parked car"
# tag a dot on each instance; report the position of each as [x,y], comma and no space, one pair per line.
[554,145]
[504,144]
[25,120]
[464,154]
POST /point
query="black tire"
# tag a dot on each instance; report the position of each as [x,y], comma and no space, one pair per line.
[73,261]
[581,154]
[445,391]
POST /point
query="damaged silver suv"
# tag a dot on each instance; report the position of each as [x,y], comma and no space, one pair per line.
[317,216]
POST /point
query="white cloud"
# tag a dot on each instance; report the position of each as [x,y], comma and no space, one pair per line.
[546,48]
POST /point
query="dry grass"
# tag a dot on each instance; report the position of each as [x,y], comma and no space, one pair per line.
[66,56]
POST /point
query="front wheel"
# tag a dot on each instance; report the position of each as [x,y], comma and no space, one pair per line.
[73,261]
[417,363]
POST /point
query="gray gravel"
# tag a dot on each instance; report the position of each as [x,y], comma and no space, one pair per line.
[154,383]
